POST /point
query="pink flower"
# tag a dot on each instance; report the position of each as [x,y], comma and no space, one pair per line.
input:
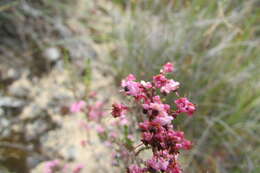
[95,112]
[170,85]
[131,137]
[51,165]
[146,85]
[174,168]
[78,168]
[92,94]
[83,143]
[176,136]
[130,77]
[184,105]
[77,106]
[167,68]
[123,120]
[108,144]
[100,129]
[84,125]
[186,144]
[159,80]
[118,109]
[144,125]
[113,134]
[131,87]
[65,168]
[147,137]
[157,109]
[163,120]
[134,169]
[157,99]
[157,164]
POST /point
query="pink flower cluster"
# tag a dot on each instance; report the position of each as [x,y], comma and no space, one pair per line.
[51,166]
[119,110]
[95,111]
[77,106]
[56,166]
[157,130]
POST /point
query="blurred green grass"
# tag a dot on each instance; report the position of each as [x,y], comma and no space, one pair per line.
[215,47]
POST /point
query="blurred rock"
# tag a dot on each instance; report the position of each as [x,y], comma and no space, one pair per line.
[30,10]
[33,161]
[33,130]
[71,153]
[1,112]
[8,75]
[11,102]
[20,88]
[35,82]
[52,54]
[80,58]
[17,128]
[6,132]
[5,122]
[33,111]
[84,50]
[12,74]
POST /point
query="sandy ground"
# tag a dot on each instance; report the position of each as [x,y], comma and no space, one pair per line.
[96,157]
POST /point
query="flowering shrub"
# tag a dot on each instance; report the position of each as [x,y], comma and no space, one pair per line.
[154,121]
[157,130]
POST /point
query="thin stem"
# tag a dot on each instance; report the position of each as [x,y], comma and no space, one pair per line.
[138,146]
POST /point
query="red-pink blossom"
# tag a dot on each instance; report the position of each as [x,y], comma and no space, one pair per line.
[123,120]
[158,109]
[159,80]
[131,87]
[131,137]
[170,86]
[184,105]
[157,130]
[147,137]
[95,111]
[167,68]
[146,85]
[163,120]
[156,99]
[77,106]
[157,164]
[50,166]
[144,125]
[131,77]
[78,168]
[83,143]
[100,129]
[84,125]
[92,94]
[174,168]
[108,144]
[186,144]
[119,109]
[134,169]
[113,134]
